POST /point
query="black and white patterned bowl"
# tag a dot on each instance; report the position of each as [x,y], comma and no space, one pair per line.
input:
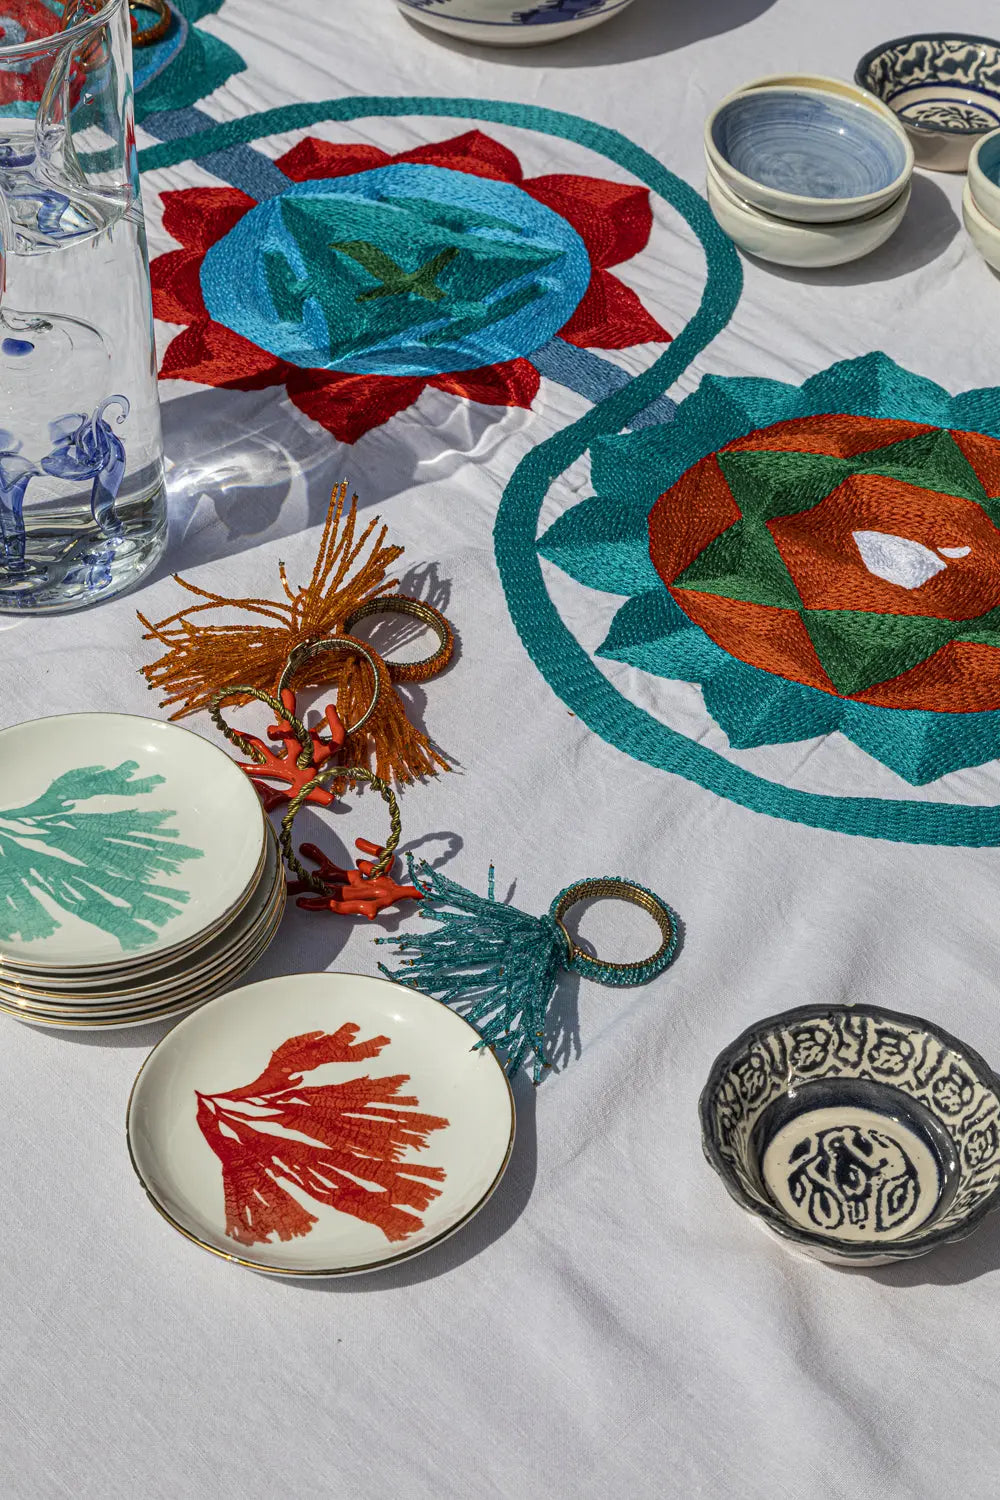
[944,88]
[856,1134]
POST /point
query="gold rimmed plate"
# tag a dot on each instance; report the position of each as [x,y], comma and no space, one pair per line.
[320,1125]
[186,1000]
[188,970]
[124,840]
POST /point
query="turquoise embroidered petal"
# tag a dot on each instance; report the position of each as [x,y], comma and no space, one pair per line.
[603,547]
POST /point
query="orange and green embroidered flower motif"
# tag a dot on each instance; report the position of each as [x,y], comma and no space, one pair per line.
[373,277]
[818,560]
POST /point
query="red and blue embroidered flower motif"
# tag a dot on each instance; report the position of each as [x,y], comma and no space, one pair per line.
[376,276]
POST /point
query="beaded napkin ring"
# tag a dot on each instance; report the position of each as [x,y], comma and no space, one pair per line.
[304,750]
[501,964]
[206,652]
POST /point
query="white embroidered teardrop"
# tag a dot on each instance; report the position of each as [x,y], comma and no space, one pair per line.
[897,559]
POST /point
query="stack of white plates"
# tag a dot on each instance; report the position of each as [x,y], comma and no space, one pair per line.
[138,875]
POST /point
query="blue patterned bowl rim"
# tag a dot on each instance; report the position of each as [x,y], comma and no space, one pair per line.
[886,118]
[920,1243]
[907,41]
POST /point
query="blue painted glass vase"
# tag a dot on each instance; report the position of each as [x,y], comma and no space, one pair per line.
[82,505]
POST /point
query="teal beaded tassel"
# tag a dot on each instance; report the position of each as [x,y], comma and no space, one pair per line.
[501,965]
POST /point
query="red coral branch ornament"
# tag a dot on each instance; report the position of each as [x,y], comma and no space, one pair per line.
[344,1145]
[360,892]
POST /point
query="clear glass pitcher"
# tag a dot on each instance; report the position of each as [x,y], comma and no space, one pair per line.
[82,507]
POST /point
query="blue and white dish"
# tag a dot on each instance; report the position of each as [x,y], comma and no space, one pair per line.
[808,154]
[945,90]
[855,1134]
[507,23]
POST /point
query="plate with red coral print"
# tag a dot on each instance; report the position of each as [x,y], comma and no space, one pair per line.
[320,1125]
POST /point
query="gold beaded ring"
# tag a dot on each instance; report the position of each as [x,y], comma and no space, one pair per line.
[155,33]
[253,749]
[309,649]
[610,889]
[402,604]
[350,774]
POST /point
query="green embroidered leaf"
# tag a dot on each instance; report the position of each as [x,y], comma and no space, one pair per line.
[930,461]
[766,485]
[858,649]
[101,866]
[742,563]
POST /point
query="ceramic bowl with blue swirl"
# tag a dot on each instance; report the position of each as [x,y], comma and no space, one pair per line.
[855,1134]
[512,23]
[808,154]
[944,88]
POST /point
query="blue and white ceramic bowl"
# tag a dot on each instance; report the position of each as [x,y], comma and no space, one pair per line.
[512,23]
[808,154]
[945,90]
[856,1134]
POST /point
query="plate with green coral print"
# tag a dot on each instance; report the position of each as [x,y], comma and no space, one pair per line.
[188,974]
[122,839]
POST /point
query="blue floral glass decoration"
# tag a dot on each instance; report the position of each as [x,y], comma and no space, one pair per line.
[87,448]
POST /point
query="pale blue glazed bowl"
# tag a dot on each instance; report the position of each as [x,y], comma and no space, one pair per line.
[944,87]
[808,154]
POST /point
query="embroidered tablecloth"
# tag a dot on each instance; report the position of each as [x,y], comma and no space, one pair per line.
[781,715]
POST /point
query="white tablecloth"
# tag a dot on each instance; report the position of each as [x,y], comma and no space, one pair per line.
[610,1325]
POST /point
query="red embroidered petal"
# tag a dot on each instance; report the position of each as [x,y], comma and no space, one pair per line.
[176,283]
[351,405]
[612,317]
[512,384]
[213,355]
[474,152]
[613,219]
[197,217]
[313,158]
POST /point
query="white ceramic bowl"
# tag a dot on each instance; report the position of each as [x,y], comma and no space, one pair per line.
[512,23]
[808,154]
[984,176]
[805,245]
[984,235]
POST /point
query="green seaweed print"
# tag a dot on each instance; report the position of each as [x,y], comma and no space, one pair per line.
[102,867]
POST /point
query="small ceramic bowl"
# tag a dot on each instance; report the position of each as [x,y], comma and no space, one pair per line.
[983,234]
[945,90]
[810,155]
[512,23]
[804,245]
[856,1134]
[984,176]
[817,81]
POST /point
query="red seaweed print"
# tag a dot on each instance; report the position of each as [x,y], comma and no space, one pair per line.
[342,1144]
